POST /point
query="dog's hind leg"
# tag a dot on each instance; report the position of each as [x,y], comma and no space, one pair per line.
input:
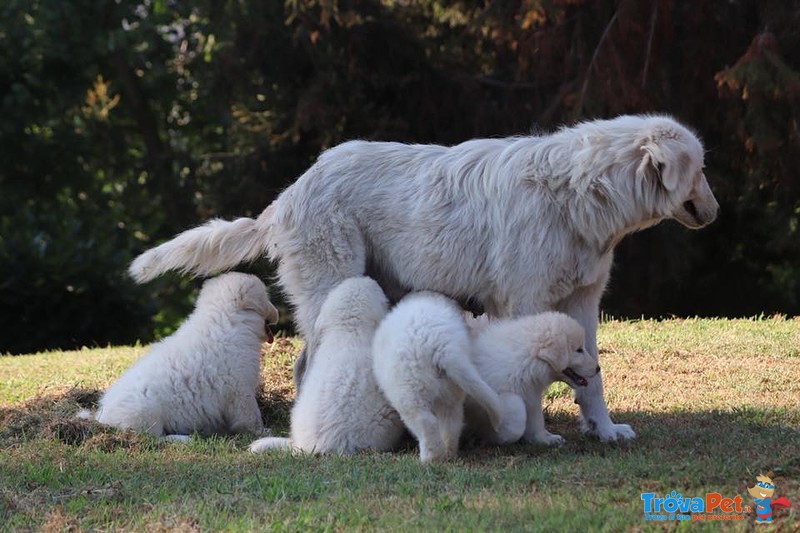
[425,427]
[310,265]
[450,427]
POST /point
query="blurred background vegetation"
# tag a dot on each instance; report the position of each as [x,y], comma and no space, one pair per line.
[125,122]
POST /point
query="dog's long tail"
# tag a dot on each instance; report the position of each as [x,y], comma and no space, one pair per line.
[467,377]
[217,245]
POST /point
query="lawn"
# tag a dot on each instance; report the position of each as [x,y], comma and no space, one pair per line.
[714,403]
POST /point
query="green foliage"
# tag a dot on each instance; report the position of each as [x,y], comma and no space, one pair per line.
[123,123]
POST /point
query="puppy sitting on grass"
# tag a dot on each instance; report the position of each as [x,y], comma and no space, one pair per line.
[340,408]
[204,377]
[422,358]
[519,359]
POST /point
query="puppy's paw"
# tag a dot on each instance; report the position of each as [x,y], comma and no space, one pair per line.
[608,432]
[545,438]
[549,439]
[176,438]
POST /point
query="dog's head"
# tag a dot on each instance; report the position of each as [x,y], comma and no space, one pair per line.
[561,346]
[243,292]
[355,304]
[670,159]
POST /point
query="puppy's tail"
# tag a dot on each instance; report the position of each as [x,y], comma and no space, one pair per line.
[217,245]
[514,419]
[270,443]
[467,377]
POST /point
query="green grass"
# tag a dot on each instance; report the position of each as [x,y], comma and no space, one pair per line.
[714,403]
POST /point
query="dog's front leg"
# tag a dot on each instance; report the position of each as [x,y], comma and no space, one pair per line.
[594,413]
[584,306]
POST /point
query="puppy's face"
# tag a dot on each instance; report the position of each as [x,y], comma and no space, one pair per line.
[253,297]
[672,157]
[236,292]
[568,357]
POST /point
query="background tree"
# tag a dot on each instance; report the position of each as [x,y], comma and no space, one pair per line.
[124,123]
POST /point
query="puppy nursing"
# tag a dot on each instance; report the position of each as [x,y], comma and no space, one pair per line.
[519,225]
[423,365]
[519,359]
[204,377]
[340,408]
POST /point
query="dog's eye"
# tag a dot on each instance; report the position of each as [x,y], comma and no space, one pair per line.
[580,350]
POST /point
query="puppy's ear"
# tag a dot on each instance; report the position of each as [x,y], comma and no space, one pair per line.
[553,354]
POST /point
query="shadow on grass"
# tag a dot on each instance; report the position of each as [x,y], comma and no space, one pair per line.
[709,445]
[693,452]
[53,417]
[692,448]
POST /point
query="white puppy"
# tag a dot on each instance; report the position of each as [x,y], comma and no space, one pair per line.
[519,225]
[340,408]
[422,361]
[520,358]
[204,377]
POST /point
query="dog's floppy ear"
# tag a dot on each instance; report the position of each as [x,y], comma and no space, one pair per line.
[664,158]
[553,353]
[653,163]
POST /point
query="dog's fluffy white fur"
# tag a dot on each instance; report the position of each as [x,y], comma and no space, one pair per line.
[521,225]
[340,408]
[204,377]
[422,361]
[519,358]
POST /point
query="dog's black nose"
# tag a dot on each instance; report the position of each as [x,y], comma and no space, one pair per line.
[597,370]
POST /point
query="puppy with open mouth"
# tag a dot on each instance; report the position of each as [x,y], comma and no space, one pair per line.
[519,359]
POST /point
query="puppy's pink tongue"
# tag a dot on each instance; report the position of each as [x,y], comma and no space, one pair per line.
[270,336]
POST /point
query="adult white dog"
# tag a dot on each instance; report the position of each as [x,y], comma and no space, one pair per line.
[519,358]
[340,408]
[423,364]
[204,377]
[520,225]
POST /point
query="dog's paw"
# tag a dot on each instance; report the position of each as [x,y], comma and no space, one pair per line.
[176,438]
[609,432]
[546,439]
[550,439]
